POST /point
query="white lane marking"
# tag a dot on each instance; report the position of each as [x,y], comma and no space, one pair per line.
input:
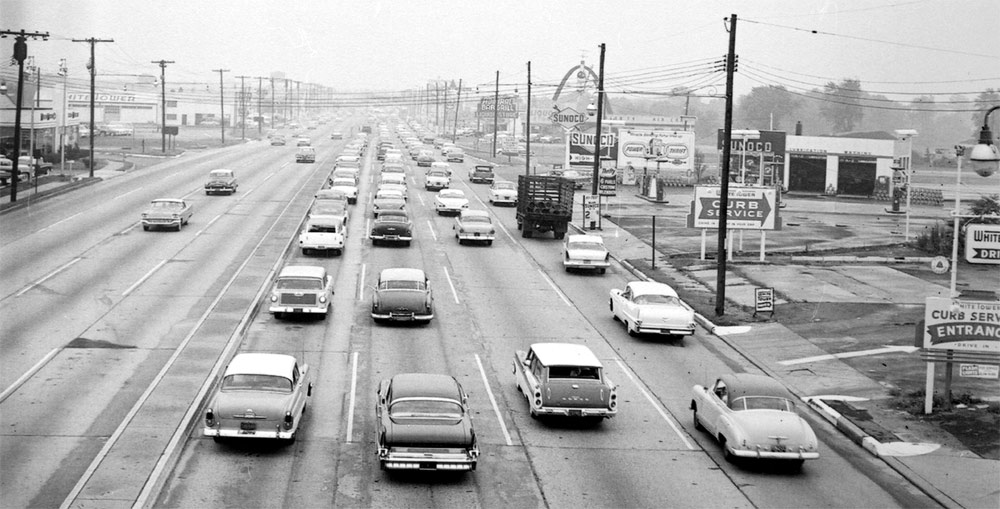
[248,193]
[350,405]
[421,200]
[47,276]
[133,225]
[214,219]
[846,355]
[361,283]
[62,221]
[28,374]
[493,401]
[554,287]
[126,194]
[430,226]
[658,407]
[448,277]
[144,278]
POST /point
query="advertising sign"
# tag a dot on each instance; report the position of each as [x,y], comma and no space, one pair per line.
[749,208]
[506,106]
[581,148]
[758,158]
[607,184]
[964,325]
[979,371]
[763,300]
[670,149]
[568,118]
[982,243]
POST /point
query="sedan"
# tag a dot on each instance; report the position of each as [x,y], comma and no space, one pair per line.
[650,307]
[754,416]
[586,252]
[503,192]
[402,294]
[348,187]
[474,226]
[392,226]
[424,423]
[262,395]
[450,201]
[388,199]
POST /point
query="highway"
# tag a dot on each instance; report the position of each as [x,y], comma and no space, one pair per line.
[112,338]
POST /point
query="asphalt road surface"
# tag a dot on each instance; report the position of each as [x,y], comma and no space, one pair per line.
[113,336]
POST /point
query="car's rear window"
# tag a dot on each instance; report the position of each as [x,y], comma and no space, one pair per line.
[762,403]
[657,299]
[575,372]
[593,246]
[402,285]
[299,283]
[268,383]
[425,408]
[476,219]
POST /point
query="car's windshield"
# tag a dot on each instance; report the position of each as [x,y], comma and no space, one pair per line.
[299,283]
[220,174]
[575,372]
[657,299]
[393,284]
[587,245]
[426,408]
[762,403]
[269,383]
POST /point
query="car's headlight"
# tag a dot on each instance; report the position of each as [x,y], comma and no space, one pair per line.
[274,297]
[322,299]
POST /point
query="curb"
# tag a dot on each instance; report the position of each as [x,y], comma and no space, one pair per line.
[72,186]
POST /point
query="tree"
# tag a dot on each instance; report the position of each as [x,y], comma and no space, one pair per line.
[985,101]
[843,104]
[765,106]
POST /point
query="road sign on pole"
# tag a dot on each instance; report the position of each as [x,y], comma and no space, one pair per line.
[982,244]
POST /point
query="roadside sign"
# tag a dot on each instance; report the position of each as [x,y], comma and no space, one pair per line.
[607,183]
[940,265]
[961,325]
[763,300]
[979,371]
[590,207]
[982,244]
[749,208]
[568,118]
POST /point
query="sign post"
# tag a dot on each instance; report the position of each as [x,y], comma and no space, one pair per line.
[982,244]
[763,301]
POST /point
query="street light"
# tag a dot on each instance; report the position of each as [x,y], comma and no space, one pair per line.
[984,156]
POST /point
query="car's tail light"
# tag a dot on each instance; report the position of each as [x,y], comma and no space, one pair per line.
[289,420]
[210,418]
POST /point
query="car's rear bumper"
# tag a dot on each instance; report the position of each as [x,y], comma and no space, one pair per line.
[425,459]
[762,454]
[399,238]
[403,317]
[665,330]
[474,236]
[586,264]
[576,412]
[299,309]
[236,433]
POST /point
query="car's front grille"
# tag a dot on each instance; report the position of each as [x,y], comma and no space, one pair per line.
[291,299]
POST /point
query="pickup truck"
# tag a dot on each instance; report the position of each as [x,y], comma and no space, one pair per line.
[481,173]
[564,379]
[323,236]
[167,213]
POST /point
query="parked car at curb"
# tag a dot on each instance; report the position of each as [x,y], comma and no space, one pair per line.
[402,294]
[262,395]
[167,213]
[647,307]
[564,379]
[221,181]
[474,226]
[301,289]
[424,423]
[753,416]
[585,252]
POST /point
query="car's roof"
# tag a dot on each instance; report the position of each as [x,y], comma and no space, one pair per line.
[302,271]
[402,274]
[424,385]
[451,193]
[169,200]
[565,354]
[473,213]
[274,364]
[584,238]
[221,172]
[651,287]
[746,384]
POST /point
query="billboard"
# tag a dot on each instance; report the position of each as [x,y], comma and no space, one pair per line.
[749,208]
[505,105]
[766,153]
[581,148]
[672,150]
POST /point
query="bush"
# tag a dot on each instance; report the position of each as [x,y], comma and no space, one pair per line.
[937,239]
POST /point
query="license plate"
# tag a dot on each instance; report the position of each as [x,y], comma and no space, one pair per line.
[296,310]
[575,413]
[778,448]
[477,234]
[248,427]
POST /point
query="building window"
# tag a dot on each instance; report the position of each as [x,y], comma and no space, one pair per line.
[171,104]
[171,116]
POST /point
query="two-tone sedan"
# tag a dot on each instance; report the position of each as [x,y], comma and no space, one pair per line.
[474,226]
[262,395]
[585,252]
[348,186]
[754,416]
[648,307]
[424,423]
[450,201]
[403,295]
[392,226]
[388,199]
[503,192]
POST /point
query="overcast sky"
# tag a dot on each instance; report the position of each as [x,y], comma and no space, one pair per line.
[892,46]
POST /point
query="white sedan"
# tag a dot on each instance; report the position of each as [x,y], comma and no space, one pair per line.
[450,201]
[503,192]
[653,308]
[348,186]
[586,252]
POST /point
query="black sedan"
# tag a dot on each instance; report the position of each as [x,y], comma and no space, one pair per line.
[424,423]
[392,226]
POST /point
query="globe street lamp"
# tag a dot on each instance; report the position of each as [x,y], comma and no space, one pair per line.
[984,156]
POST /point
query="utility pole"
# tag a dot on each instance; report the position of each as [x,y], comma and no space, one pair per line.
[222,105]
[527,129]
[496,111]
[163,102]
[92,66]
[458,104]
[260,114]
[298,100]
[273,125]
[437,104]
[33,69]
[64,72]
[243,105]
[721,255]
[20,53]
[444,111]
[597,133]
